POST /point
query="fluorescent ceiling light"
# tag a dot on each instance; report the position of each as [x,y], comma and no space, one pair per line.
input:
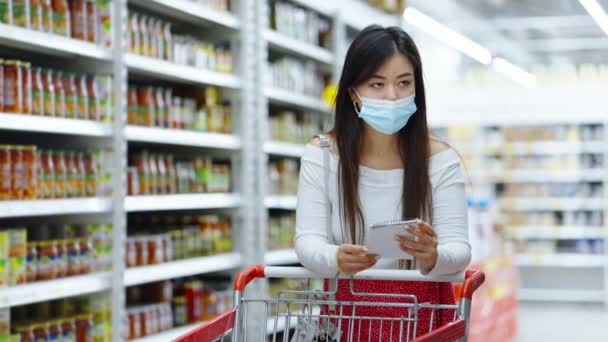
[596,11]
[514,72]
[447,35]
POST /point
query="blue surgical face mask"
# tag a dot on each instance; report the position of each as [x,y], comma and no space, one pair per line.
[385,116]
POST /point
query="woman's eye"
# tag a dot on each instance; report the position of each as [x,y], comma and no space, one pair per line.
[404,83]
[376,85]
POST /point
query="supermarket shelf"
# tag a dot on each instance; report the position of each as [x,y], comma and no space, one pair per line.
[169,335]
[556,232]
[31,123]
[54,207]
[281,257]
[182,202]
[182,137]
[182,268]
[281,202]
[179,73]
[284,149]
[192,12]
[544,203]
[287,97]
[559,295]
[544,176]
[52,44]
[546,147]
[281,42]
[54,289]
[561,260]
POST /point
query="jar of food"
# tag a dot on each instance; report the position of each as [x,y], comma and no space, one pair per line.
[91,171]
[143,168]
[19,182]
[32,262]
[162,174]
[26,332]
[84,328]
[36,15]
[144,47]
[79,19]
[134,324]
[92,21]
[132,181]
[47,260]
[72,175]
[133,106]
[1,79]
[37,92]
[47,15]
[193,292]
[168,54]
[47,187]
[131,253]
[60,174]
[83,97]
[147,106]
[180,314]
[26,83]
[62,258]
[209,305]
[55,333]
[5,172]
[176,113]
[49,92]
[30,161]
[171,174]
[13,87]
[161,107]
[141,247]
[95,112]
[74,264]
[80,165]
[71,96]
[87,255]
[168,94]
[155,250]
[60,98]
[153,177]
[41,331]
[168,247]
[68,329]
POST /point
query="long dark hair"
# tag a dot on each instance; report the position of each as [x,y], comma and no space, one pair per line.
[371,48]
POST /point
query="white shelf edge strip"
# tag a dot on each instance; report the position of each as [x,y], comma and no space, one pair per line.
[182,202]
[284,149]
[54,289]
[284,96]
[51,43]
[281,257]
[181,268]
[281,202]
[189,9]
[561,260]
[563,295]
[32,123]
[169,335]
[566,203]
[182,137]
[54,207]
[522,175]
[181,73]
[556,232]
[286,43]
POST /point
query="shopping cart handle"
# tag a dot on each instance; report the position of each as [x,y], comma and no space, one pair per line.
[247,275]
[473,280]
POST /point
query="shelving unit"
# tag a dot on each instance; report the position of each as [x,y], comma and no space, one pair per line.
[247,148]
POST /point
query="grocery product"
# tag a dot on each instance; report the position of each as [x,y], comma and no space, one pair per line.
[283,175]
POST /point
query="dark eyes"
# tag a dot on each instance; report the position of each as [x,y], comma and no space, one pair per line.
[379,85]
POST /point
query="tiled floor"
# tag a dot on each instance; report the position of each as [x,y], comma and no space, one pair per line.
[562,322]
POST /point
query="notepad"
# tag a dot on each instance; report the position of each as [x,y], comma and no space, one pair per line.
[380,239]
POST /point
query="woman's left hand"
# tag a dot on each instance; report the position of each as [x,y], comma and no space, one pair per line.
[424,245]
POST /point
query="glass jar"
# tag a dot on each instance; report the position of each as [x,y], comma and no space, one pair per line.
[49,93]
[82,173]
[83,97]
[26,83]
[133,181]
[79,19]
[94,97]
[37,92]
[155,250]
[60,98]
[141,247]
[91,171]
[62,258]
[13,87]
[74,264]
[92,21]
[32,262]
[47,260]
[30,161]
[180,313]
[41,331]
[71,96]
[84,328]
[87,255]
[5,172]
[60,174]
[134,324]
[131,253]
[47,187]
[61,18]
[18,183]
[26,332]
[55,333]
[68,330]
[168,247]
[147,106]
[133,107]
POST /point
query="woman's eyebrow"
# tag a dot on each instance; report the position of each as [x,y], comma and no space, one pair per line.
[405,74]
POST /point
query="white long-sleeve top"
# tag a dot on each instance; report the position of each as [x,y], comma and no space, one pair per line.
[380,195]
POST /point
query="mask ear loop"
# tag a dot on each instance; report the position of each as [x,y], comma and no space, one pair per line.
[357,110]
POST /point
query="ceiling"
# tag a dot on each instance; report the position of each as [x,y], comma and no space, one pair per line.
[527,32]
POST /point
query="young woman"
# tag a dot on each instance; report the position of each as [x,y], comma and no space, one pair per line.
[384,165]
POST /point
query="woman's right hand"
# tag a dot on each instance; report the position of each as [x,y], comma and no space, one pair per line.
[354,258]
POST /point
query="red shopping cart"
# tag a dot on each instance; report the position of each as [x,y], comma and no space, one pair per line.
[313,315]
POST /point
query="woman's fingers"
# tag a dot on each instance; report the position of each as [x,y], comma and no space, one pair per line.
[353,249]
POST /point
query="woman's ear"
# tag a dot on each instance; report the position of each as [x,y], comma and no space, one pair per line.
[354,97]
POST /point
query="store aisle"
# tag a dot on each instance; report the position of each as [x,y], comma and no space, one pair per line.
[562,322]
